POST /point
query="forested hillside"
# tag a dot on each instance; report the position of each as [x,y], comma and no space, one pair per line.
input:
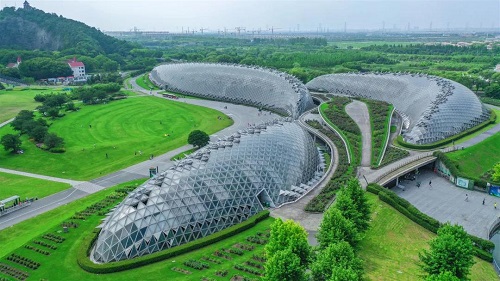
[34,29]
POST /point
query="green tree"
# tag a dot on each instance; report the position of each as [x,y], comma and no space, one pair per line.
[451,251]
[349,210]
[492,91]
[335,228]
[343,274]
[2,87]
[284,265]
[38,133]
[11,142]
[40,68]
[289,235]
[22,116]
[52,140]
[198,138]
[496,172]
[339,254]
[444,276]
[358,196]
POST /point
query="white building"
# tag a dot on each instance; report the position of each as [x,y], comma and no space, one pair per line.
[78,69]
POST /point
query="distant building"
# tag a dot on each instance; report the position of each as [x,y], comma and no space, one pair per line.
[27,5]
[78,69]
[14,64]
[497,68]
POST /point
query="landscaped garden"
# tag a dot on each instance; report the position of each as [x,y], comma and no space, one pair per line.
[27,187]
[144,82]
[380,117]
[343,172]
[103,138]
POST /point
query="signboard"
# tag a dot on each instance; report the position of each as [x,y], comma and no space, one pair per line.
[465,183]
[495,190]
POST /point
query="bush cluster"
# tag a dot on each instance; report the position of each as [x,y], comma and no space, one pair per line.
[69,224]
[53,238]
[14,272]
[483,247]
[248,269]
[380,115]
[221,273]
[393,154]
[46,245]
[84,250]
[259,258]
[246,247]
[97,93]
[257,240]
[181,270]
[196,264]
[37,130]
[31,264]
[236,251]
[255,264]
[38,250]
[211,259]
[222,254]
[340,177]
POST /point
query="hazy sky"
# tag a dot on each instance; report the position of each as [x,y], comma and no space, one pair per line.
[283,15]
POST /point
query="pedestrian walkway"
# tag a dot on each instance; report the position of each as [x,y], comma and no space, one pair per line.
[6,122]
[32,175]
[358,111]
[445,202]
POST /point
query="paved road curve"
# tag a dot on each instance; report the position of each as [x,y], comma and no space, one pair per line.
[359,113]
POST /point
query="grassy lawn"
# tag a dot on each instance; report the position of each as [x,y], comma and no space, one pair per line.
[478,159]
[391,245]
[119,129]
[144,82]
[28,187]
[13,101]
[65,255]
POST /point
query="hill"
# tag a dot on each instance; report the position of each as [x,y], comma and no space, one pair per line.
[33,29]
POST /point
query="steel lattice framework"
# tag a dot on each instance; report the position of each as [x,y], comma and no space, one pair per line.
[252,85]
[433,108]
[218,186]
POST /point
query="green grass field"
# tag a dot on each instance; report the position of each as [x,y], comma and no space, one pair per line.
[144,82]
[391,245]
[13,101]
[120,129]
[478,159]
[28,187]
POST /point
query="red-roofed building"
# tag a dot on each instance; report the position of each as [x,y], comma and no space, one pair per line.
[78,69]
[14,64]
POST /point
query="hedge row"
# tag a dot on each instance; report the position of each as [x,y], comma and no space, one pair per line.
[380,116]
[483,246]
[85,248]
[491,120]
[452,166]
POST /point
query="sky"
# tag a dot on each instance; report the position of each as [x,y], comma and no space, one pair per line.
[281,15]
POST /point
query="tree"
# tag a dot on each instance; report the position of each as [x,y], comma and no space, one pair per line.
[444,276]
[198,138]
[41,67]
[339,254]
[492,91]
[38,133]
[284,265]
[51,140]
[2,87]
[11,142]
[22,116]
[343,274]
[349,209]
[289,235]
[335,228]
[358,196]
[451,251]
[496,172]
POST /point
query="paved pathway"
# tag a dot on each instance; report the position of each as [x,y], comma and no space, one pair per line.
[359,113]
[6,122]
[295,211]
[446,202]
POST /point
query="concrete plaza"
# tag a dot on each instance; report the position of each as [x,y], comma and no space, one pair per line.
[446,202]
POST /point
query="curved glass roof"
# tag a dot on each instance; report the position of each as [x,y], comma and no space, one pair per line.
[434,108]
[252,85]
[216,187]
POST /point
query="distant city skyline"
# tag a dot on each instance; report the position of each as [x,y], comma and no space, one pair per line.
[279,15]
